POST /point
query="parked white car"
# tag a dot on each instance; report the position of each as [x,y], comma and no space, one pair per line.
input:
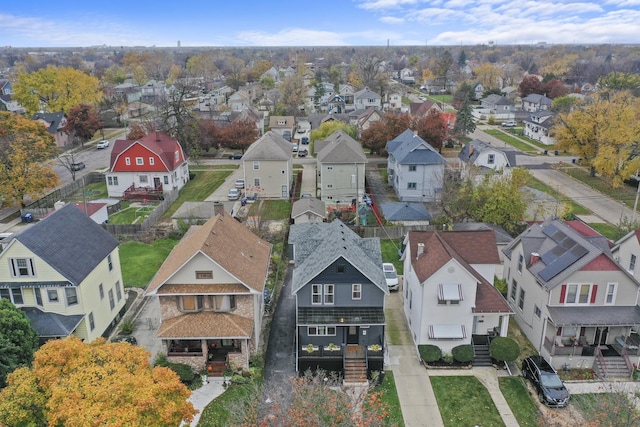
[233,194]
[103,144]
[390,275]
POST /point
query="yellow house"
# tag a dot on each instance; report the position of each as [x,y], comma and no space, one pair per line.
[64,273]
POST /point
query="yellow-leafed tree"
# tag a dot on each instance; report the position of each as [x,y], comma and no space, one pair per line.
[24,147]
[605,133]
[56,89]
[77,384]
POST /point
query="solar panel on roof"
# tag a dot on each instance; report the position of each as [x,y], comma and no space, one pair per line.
[558,265]
[548,257]
[579,251]
[550,230]
[567,243]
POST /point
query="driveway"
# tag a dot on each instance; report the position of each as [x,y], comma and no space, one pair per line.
[280,361]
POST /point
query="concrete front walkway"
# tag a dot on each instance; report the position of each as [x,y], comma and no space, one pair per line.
[417,399]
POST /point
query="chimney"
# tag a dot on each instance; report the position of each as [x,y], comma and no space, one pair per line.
[218,208]
[471,147]
[420,250]
[534,258]
[157,136]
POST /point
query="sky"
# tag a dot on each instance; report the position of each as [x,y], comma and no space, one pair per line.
[73,23]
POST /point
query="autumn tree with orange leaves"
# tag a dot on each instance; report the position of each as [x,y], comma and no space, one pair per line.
[76,384]
[25,145]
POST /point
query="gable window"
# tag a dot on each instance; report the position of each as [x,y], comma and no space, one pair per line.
[328,294]
[223,302]
[127,161]
[321,331]
[110,262]
[611,293]
[112,180]
[316,294]
[256,165]
[92,323]
[22,267]
[520,262]
[72,296]
[14,295]
[118,291]
[356,291]
[139,161]
[144,179]
[38,296]
[176,156]
[191,302]
[101,290]
[412,185]
[204,274]
[574,293]
[412,168]
[491,159]
[341,268]
[632,263]
[112,302]
[52,295]
[514,290]
[152,161]
[521,300]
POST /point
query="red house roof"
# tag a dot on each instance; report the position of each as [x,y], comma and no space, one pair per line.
[167,154]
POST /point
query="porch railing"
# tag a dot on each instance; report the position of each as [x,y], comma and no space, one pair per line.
[600,358]
[627,361]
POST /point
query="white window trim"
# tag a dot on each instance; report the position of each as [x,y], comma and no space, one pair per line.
[328,293]
[140,161]
[356,288]
[319,294]
[614,293]
[579,286]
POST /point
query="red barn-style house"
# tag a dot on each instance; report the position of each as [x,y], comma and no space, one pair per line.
[154,164]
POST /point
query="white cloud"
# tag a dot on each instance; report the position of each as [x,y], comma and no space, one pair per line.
[392,20]
[385,4]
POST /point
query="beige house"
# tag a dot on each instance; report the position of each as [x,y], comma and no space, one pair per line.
[210,290]
[268,167]
[72,286]
[341,169]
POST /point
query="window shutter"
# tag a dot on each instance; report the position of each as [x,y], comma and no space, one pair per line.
[594,291]
[563,293]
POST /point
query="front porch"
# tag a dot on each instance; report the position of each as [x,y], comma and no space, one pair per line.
[353,361]
[611,352]
[214,355]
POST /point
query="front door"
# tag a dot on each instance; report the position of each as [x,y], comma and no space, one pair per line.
[352,335]
[156,182]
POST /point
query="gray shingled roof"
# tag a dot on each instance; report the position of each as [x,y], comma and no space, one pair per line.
[595,315]
[341,148]
[269,146]
[469,155]
[410,148]
[404,211]
[536,240]
[318,245]
[52,324]
[308,204]
[70,242]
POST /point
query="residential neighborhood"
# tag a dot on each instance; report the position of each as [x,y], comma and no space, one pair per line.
[282,219]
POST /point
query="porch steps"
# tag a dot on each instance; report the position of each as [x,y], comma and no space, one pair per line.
[216,369]
[481,357]
[615,368]
[355,371]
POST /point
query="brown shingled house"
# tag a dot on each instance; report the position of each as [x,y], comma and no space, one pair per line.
[210,290]
[449,299]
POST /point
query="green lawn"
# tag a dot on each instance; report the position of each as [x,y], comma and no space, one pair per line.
[131,214]
[613,232]
[271,209]
[216,413]
[514,142]
[464,401]
[140,261]
[389,249]
[390,399]
[199,188]
[517,396]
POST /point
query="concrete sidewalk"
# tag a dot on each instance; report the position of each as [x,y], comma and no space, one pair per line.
[417,399]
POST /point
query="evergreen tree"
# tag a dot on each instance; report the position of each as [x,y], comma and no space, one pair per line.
[464,120]
[18,340]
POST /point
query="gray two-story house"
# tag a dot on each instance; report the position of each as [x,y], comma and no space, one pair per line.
[415,169]
[339,289]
